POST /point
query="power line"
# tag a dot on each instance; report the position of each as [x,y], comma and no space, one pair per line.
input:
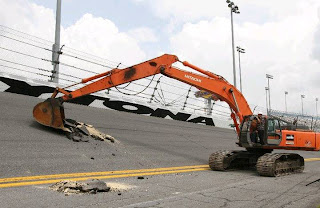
[56,52]
[87,60]
[75,67]
[43,59]
[25,65]
[28,43]
[25,33]
[48,43]
[26,38]
[135,93]
[41,69]
[10,67]
[88,54]
[162,97]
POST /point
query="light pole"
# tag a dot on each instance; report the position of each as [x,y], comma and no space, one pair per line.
[240,50]
[285,100]
[268,76]
[266,88]
[233,9]
[302,96]
[56,45]
[317,107]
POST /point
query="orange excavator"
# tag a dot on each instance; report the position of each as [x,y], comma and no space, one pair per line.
[274,132]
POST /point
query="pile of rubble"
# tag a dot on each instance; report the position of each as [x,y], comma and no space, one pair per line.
[94,186]
[80,132]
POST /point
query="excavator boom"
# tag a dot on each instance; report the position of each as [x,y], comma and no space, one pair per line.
[51,113]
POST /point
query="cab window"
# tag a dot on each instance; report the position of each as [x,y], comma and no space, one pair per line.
[276,125]
[271,126]
[245,125]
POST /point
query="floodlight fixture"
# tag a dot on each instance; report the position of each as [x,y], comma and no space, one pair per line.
[268,76]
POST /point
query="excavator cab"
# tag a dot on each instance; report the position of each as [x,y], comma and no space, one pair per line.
[253,135]
[273,133]
[248,128]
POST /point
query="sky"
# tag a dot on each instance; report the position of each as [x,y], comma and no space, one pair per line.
[281,38]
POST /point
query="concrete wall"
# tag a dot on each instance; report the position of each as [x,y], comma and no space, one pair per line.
[43,89]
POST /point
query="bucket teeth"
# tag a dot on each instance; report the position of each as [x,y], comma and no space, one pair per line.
[50,113]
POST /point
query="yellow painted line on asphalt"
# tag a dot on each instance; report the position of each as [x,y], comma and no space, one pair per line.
[7,185]
[311,159]
[46,179]
[69,175]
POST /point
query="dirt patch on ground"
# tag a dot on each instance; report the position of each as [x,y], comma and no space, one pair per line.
[119,187]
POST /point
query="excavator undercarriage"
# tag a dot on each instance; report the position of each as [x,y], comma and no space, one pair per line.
[265,162]
[278,164]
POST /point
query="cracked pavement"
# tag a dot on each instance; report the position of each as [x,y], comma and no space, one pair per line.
[28,149]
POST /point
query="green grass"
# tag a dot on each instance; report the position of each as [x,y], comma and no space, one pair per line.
[318,206]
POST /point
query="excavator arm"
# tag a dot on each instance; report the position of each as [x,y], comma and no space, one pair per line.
[117,77]
[216,85]
[51,112]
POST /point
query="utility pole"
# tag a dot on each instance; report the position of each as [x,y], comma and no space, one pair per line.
[240,50]
[185,102]
[285,100]
[266,88]
[56,46]
[302,96]
[268,76]
[317,107]
[208,103]
[233,9]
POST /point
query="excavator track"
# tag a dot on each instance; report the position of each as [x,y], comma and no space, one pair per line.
[228,159]
[279,164]
[219,160]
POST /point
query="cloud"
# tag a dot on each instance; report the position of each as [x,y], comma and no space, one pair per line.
[316,48]
[280,38]
[190,10]
[282,48]
[186,10]
[94,35]
[29,17]
[143,34]
[102,37]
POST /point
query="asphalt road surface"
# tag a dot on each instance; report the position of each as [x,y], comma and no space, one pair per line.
[169,156]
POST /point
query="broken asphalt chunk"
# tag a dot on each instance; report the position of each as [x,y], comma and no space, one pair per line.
[79,132]
[83,130]
[74,187]
[95,185]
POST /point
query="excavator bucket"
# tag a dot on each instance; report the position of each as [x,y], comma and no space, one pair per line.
[50,113]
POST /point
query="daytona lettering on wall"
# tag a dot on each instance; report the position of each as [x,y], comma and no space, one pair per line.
[22,87]
[162,113]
